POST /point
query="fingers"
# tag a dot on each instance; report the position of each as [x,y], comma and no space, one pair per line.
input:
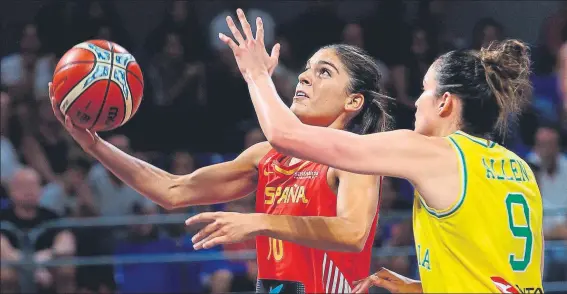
[389,275]
[68,123]
[245,25]
[259,30]
[204,243]
[235,31]
[216,241]
[390,286]
[230,42]
[205,232]
[202,217]
[275,55]
[362,286]
[54,105]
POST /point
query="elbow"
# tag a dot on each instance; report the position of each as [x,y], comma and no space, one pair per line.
[356,242]
[175,194]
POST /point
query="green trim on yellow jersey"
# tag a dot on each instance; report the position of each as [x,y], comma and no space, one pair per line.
[464,178]
[487,144]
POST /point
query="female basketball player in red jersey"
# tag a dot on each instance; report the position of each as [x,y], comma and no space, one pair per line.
[299,203]
[467,96]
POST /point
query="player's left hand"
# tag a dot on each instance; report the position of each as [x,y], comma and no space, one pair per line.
[389,280]
[223,228]
[249,51]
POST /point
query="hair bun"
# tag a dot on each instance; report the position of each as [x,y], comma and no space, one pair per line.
[510,58]
[507,69]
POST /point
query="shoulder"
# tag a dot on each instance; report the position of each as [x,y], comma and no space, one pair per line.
[255,153]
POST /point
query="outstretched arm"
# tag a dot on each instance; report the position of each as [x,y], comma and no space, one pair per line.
[401,153]
[388,153]
[356,208]
[212,184]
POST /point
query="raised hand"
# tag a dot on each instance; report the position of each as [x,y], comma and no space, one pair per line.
[223,228]
[85,138]
[250,53]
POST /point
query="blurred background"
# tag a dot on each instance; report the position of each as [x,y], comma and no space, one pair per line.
[93,234]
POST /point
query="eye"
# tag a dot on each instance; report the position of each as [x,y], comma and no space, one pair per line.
[324,72]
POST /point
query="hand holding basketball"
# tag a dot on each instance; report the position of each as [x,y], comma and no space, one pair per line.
[250,53]
[85,138]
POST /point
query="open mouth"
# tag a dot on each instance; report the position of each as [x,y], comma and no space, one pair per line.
[300,95]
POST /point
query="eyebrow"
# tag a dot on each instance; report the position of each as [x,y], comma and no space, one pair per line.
[326,63]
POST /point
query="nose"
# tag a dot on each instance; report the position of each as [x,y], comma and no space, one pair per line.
[304,78]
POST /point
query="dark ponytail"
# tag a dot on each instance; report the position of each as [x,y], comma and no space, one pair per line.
[492,84]
[507,69]
[365,78]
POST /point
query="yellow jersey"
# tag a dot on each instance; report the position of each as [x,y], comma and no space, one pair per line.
[490,240]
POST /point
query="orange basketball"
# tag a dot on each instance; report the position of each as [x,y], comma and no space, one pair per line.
[98,84]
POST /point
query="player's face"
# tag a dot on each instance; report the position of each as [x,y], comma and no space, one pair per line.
[322,89]
[426,116]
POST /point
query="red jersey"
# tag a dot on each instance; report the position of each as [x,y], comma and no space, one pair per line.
[301,189]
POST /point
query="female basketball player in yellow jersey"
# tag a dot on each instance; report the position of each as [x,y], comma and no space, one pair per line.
[478,210]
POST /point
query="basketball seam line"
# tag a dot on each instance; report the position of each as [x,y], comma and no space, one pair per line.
[107,85]
[124,100]
[71,89]
[66,65]
[95,62]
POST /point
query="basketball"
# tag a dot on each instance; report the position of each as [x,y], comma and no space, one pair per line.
[98,84]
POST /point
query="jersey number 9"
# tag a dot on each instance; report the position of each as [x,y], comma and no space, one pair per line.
[520,263]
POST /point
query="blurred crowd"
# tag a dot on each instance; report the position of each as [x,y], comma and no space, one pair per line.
[193,89]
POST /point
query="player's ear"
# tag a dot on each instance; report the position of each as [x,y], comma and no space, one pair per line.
[446,104]
[354,102]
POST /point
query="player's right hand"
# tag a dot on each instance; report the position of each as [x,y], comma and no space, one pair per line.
[388,280]
[85,138]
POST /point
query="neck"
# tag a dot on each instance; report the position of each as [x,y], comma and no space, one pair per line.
[445,131]
[25,212]
[337,124]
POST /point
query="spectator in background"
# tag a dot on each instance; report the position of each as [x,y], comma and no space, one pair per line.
[432,16]
[562,72]
[388,38]
[181,17]
[182,163]
[111,195]
[9,161]
[319,25]
[552,180]
[26,214]
[178,91]
[353,34]
[96,14]
[547,94]
[27,72]
[253,136]
[550,40]
[45,145]
[421,56]
[390,200]
[485,31]
[72,194]
[58,24]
